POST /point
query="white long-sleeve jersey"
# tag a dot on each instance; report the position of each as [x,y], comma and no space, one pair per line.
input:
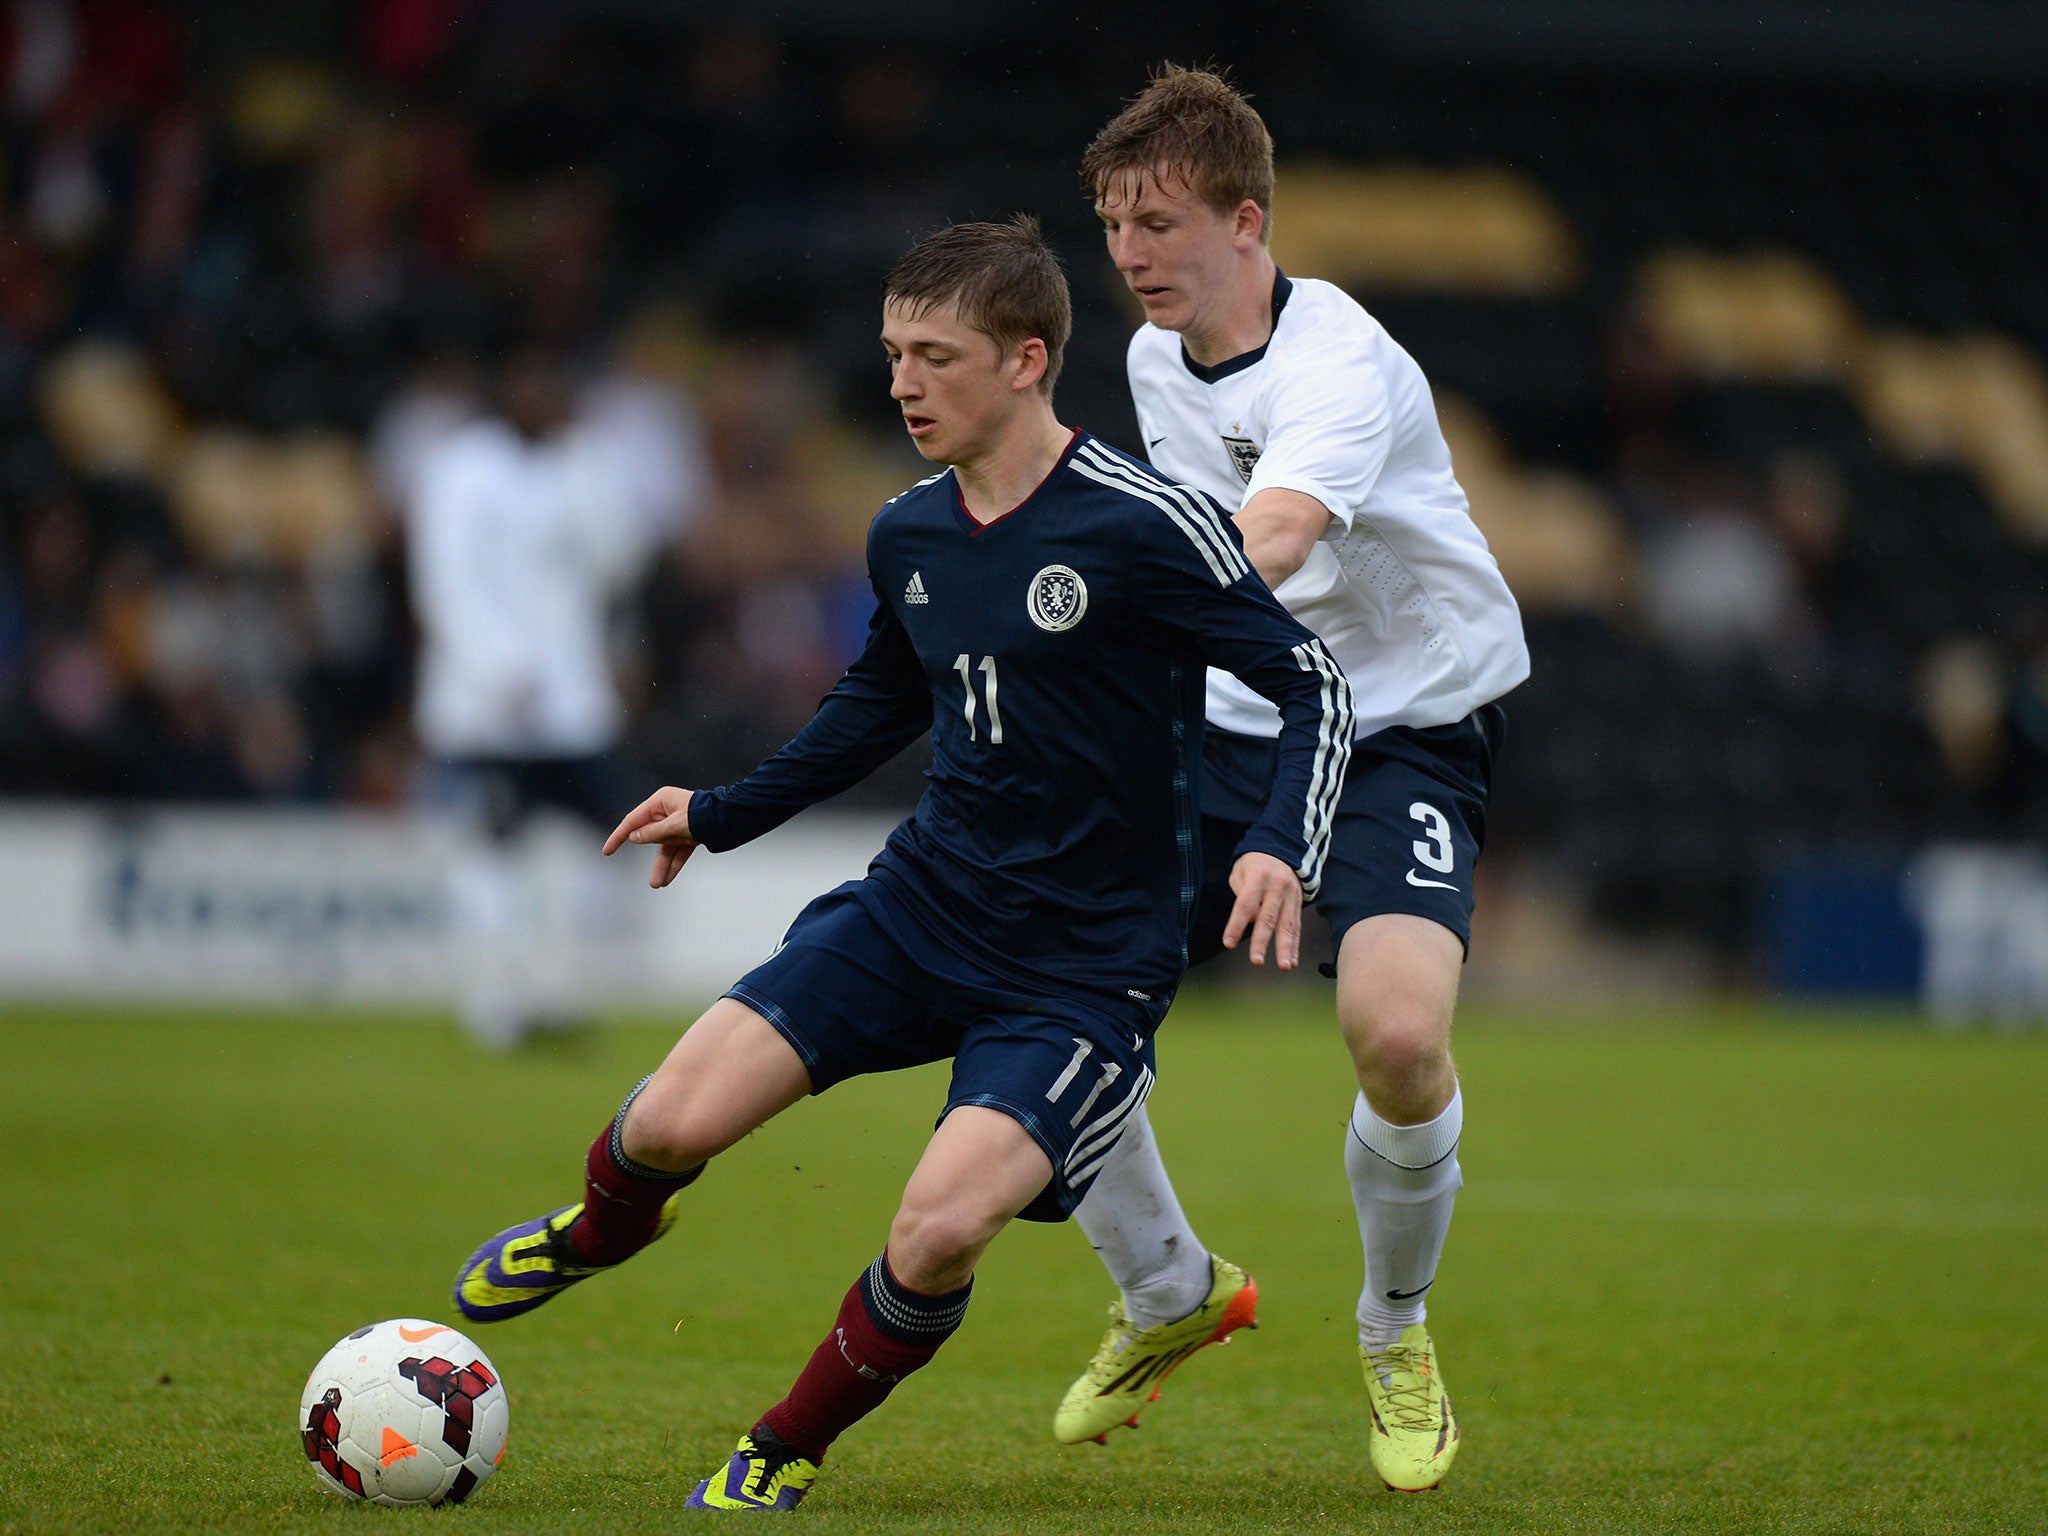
[516,550]
[1401,586]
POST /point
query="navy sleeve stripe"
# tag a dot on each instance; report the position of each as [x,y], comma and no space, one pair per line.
[1333,754]
[1191,513]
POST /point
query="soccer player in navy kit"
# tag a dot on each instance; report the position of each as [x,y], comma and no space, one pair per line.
[1045,608]
[1286,401]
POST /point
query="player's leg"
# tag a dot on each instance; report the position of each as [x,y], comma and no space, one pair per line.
[1398,895]
[1132,1216]
[1134,1221]
[838,997]
[1173,1295]
[1397,987]
[731,1072]
[980,1169]
[577,932]
[1397,980]
[486,897]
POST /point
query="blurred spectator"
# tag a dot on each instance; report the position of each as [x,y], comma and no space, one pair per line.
[747,621]
[1718,579]
[1808,507]
[440,399]
[637,413]
[525,527]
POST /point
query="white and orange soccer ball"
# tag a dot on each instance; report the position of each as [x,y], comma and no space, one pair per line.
[404,1412]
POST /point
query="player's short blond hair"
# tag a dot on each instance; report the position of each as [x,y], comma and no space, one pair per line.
[1003,279]
[1190,125]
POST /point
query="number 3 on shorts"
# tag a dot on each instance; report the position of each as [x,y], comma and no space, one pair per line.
[1436,852]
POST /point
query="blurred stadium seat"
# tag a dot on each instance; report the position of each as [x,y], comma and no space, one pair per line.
[1475,231]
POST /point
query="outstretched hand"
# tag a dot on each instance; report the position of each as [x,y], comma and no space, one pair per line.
[662,819]
[1269,904]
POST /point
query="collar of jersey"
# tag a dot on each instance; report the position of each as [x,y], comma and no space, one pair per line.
[1223,370]
[967,517]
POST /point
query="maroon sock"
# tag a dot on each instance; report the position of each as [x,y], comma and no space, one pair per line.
[883,1333]
[622,1199]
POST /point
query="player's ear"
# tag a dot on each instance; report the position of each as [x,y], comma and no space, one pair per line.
[1028,362]
[1250,225]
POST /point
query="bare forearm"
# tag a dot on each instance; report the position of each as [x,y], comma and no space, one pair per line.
[1279,529]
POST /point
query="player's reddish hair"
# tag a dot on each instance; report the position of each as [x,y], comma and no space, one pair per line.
[1003,278]
[1188,125]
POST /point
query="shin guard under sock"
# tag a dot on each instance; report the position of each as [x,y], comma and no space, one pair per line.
[884,1331]
[622,1199]
[1404,1183]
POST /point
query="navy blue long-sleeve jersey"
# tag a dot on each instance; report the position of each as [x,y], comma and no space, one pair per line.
[1057,655]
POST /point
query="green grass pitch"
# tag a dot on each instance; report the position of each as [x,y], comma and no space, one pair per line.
[1717,1271]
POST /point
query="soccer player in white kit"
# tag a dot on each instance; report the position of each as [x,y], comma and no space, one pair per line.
[1285,399]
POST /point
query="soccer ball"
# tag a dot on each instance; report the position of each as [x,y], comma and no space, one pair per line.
[404,1412]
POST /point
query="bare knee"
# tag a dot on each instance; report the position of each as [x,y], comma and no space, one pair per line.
[1397,985]
[731,1072]
[933,1248]
[664,1131]
[1401,1051]
[1397,1038]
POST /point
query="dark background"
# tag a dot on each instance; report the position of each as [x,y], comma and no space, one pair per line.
[1794,640]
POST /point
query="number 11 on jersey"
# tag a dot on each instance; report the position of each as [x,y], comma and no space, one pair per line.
[962,665]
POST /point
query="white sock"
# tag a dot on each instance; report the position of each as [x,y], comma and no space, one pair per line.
[1404,1180]
[1134,1219]
[488,902]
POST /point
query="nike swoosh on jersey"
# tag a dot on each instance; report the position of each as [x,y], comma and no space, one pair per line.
[1154,442]
[1442,885]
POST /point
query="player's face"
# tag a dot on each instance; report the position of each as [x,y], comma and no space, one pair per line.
[1177,252]
[954,386]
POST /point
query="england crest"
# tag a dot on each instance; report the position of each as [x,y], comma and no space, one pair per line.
[1244,456]
[1057,598]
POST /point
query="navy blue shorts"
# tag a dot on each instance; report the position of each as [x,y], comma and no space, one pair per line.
[857,986]
[1409,826]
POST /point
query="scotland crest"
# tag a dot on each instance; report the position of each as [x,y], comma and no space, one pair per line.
[1057,598]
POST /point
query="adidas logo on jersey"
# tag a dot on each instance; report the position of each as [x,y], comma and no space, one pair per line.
[914,591]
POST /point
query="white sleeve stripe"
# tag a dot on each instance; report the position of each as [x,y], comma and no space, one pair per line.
[1340,759]
[1197,506]
[927,480]
[1194,515]
[1333,754]
[1346,729]
[1223,577]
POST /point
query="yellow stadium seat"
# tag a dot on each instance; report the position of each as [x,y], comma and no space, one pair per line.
[106,411]
[1767,316]
[1981,401]
[238,496]
[1477,231]
[1557,538]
